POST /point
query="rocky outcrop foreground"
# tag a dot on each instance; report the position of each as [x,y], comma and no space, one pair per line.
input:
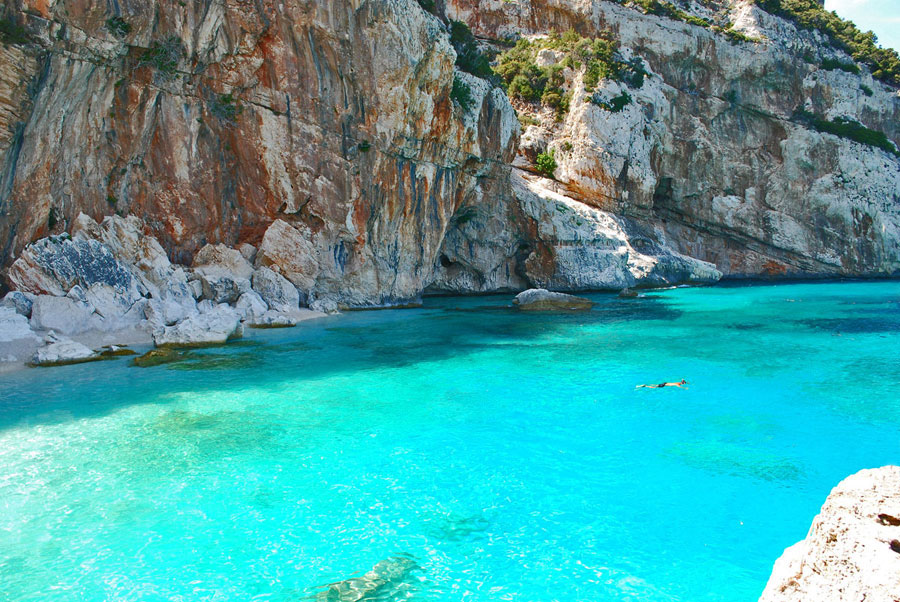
[852,551]
[112,278]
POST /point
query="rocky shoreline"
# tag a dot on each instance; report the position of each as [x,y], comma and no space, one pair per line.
[110,284]
[852,551]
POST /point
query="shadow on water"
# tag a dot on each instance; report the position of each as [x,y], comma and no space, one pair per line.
[445,328]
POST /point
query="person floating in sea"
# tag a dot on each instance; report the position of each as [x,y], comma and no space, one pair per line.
[662,385]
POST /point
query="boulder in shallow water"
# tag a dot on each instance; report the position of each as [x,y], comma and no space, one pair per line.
[214,326]
[848,554]
[158,357]
[390,579]
[627,293]
[59,351]
[272,319]
[539,299]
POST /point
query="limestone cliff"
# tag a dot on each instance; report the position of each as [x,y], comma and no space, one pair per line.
[340,122]
[210,120]
[713,151]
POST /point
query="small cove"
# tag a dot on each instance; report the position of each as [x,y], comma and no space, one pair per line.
[494,455]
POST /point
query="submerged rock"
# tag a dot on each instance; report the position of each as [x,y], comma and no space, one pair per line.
[539,299]
[849,553]
[60,351]
[158,357]
[387,580]
[212,327]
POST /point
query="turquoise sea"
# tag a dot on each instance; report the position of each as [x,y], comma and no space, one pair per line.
[469,451]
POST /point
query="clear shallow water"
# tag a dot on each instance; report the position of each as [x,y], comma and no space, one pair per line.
[503,456]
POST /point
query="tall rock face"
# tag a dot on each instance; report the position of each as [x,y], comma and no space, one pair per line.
[713,150]
[340,139]
[211,120]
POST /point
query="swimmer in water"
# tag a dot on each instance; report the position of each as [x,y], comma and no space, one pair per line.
[663,385]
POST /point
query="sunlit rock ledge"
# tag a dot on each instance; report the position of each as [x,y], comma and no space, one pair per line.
[852,551]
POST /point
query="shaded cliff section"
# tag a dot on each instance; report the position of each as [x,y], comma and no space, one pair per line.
[210,120]
[722,152]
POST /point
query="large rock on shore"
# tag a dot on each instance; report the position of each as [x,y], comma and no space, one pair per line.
[276,290]
[59,351]
[52,266]
[290,251]
[539,299]
[213,326]
[852,551]
[14,326]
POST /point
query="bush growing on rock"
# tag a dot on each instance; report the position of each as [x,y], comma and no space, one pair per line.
[545,164]
[469,57]
[118,26]
[599,57]
[461,94]
[162,55]
[811,14]
[847,128]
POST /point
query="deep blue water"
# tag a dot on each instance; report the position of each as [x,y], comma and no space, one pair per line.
[490,454]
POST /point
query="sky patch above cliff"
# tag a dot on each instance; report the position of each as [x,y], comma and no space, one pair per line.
[879,16]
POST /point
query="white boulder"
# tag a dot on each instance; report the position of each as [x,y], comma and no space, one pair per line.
[251,306]
[19,302]
[14,326]
[222,257]
[214,326]
[62,314]
[276,290]
[59,350]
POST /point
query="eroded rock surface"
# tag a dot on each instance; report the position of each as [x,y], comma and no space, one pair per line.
[852,551]
[540,299]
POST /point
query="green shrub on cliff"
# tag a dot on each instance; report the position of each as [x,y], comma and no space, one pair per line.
[847,128]
[162,55]
[834,64]
[225,108]
[469,57]
[810,14]
[461,93]
[427,5]
[613,105]
[598,57]
[11,32]
[545,164]
[118,26]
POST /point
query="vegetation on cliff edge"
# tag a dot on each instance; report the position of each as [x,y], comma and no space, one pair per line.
[810,14]
[525,80]
[847,128]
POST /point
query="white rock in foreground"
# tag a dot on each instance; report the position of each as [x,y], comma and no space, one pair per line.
[14,326]
[540,299]
[60,350]
[852,551]
[214,326]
